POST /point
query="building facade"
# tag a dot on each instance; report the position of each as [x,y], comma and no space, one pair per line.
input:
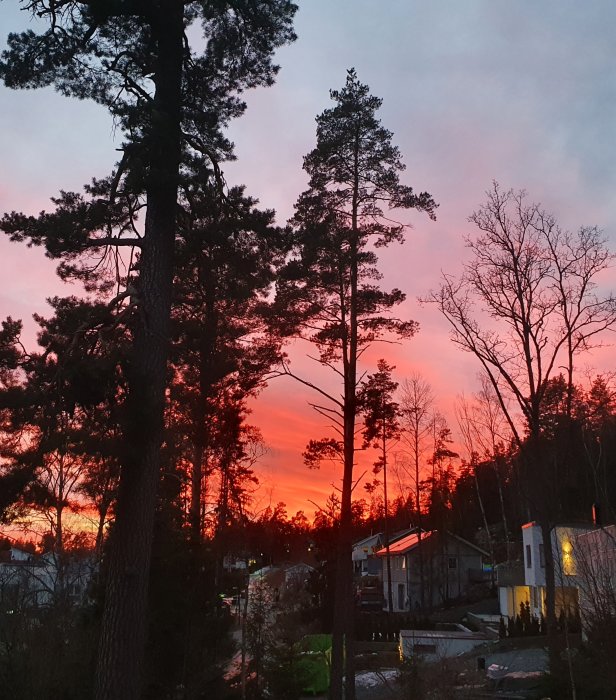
[430,570]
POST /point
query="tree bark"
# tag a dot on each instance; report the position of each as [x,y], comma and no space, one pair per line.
[390,596]
[123,633]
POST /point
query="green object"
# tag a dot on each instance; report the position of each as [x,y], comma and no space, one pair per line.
[315,653]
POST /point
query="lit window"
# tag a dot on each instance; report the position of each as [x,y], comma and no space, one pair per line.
[568,560]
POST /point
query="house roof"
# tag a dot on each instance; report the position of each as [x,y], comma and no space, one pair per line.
[408,543]
[368,541]
[583,526]
[300,566]
[469,544]
[405,544]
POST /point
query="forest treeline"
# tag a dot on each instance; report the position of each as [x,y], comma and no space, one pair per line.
[126,436]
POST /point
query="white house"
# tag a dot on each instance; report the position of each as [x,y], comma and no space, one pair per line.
[516,587]
[365,561]
[30,580]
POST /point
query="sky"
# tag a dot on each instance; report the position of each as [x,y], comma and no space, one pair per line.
[521,92]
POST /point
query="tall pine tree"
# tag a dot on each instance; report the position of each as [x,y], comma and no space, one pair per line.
[329,290]
[135,58]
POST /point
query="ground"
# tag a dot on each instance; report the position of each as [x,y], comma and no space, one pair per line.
[377,685]
[461,678]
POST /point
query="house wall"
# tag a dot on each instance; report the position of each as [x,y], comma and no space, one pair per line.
[446,573]
[365,562]
[596,575]
[433,646]
[399,580]
[534,560]
[563,542]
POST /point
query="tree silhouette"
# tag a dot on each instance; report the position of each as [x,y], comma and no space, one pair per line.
[135,58]
[381,416]
[537,285]
[328,292]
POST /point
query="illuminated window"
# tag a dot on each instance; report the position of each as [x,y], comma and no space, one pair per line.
[568,560]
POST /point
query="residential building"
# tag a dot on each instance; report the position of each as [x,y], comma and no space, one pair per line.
[287,579]
[595,554]
[525,582]
[30,580]
[365,560]
[450,565]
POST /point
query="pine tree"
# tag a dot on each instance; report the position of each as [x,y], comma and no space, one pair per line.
[226,263]
[134,57]
[329,292]
[381,427]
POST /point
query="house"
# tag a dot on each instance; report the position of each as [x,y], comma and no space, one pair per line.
[23,581]
[595,555]
[444,565]
[233,562]
[280,580]
[512,589]
[365,560]
[524,582]
[29,580]
[364,554]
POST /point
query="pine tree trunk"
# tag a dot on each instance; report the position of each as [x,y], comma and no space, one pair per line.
[343,647]
[206,350]
[123,634]
[390,595]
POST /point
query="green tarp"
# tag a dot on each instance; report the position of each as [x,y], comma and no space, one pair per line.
[315,651]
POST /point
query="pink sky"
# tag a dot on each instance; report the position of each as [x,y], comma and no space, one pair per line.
[518,92]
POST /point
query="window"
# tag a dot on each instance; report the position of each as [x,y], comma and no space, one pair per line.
[453,562]
[568,558]
[528,557]
[541,557]
[425,648]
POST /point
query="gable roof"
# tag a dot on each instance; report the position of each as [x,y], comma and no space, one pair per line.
[405,544]
[408,543]
[469,544]
[368,541]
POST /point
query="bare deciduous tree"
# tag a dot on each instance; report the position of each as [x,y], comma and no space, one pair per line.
[417,402]
[485,433]
[527,304]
